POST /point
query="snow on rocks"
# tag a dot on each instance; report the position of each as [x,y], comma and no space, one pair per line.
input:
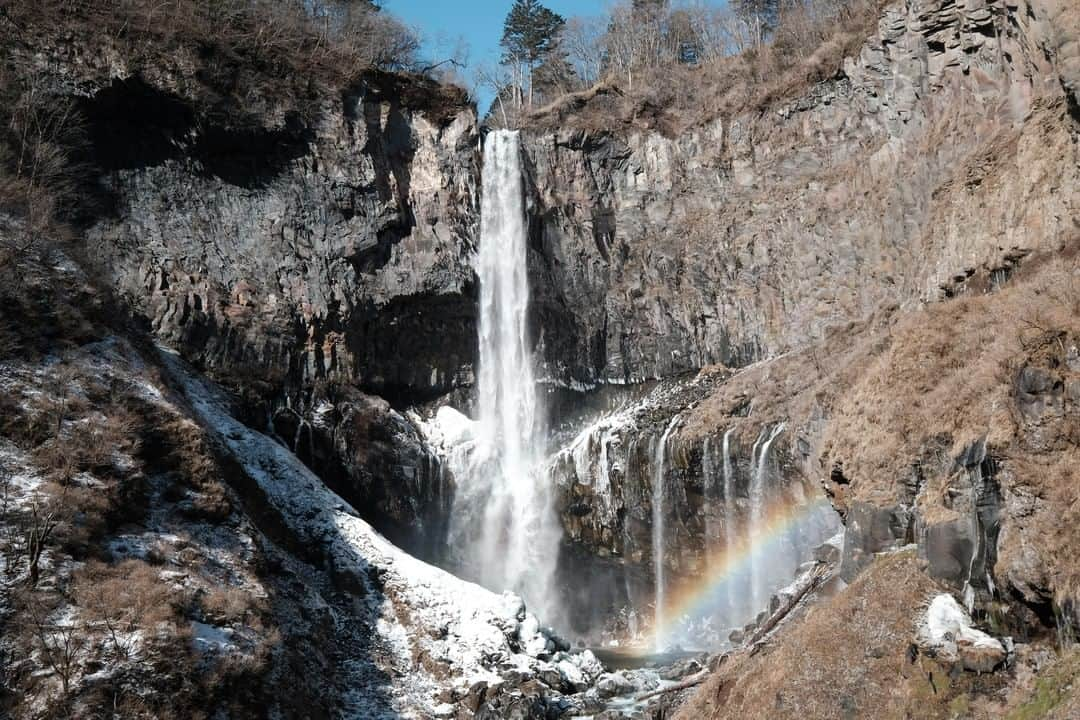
[448,428]
[614,684]
[947,630]
[434,630]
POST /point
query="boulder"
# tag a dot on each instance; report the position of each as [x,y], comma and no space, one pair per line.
[680,670]
[979,652]
[572,678]
[611,685]
[827,553]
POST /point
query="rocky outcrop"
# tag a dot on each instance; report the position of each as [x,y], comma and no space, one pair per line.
[332,250]
[942,151]
[375,458]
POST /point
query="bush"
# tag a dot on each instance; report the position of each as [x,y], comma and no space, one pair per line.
[120,599]
[39,180]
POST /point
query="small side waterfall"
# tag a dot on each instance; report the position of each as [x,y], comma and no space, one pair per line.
[708,586]
[658,501]
[758,476]
[730,512]
[505,521]
[708,474]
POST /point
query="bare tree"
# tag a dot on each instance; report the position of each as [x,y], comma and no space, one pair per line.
[10,536]
[39,528]
[122,598]
[41,180]
[502,81]
[62,645]
[582,39]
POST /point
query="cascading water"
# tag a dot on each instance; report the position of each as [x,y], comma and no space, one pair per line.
[730,512]
[759,474]
[504,520]
[658,500]
[708,473]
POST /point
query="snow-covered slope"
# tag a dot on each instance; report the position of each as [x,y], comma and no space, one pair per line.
[433,635]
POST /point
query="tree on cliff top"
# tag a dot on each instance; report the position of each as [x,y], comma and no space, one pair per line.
[530,36]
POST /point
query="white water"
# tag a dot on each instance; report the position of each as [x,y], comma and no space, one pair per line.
[730,512]
[504,521]
[759,474]
[658,501]
[708,474]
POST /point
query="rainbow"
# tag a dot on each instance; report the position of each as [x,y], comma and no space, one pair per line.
[700,596]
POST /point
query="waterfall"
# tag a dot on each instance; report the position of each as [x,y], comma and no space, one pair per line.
[708,474]
[729,517]
[506,523]
[658,501]
[759,473]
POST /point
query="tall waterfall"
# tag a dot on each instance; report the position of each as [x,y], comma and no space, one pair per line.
[505,519]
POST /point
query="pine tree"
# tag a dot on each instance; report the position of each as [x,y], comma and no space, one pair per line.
[530,34]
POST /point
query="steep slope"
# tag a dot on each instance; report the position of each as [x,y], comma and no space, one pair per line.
[189,566]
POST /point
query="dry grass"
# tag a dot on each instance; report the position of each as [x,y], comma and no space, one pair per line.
[916,388]
[1054,693]
[847,658]
[252,55]
[809,46]
[124,598]
[878,397]
[229,605]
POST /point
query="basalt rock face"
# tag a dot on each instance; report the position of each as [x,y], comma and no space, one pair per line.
[375,457]
[300,251]
[942,149]
[935,166]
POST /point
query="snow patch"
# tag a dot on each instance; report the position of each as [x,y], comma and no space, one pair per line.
[211,639]
[947,630]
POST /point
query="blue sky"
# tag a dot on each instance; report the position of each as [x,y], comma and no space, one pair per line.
[478,22]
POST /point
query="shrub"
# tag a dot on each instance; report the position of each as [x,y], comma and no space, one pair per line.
[123,598]
[39,179]
[228,605]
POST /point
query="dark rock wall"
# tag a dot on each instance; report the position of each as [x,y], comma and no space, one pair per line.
[337,249]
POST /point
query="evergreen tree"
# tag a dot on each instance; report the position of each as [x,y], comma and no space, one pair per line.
[530,35]
[529,32]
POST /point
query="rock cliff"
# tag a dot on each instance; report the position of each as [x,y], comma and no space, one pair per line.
[866,289]
[317,261]
[943,149]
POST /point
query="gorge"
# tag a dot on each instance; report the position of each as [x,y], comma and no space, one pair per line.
[714,394]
